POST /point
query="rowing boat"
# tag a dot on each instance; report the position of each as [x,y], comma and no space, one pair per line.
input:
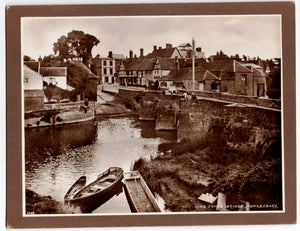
[79,184]
[97,192]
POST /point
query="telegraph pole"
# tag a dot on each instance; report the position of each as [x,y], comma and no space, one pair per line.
[193,56]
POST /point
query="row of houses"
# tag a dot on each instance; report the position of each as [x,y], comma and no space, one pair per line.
[171,66]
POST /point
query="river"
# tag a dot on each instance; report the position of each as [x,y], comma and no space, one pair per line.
[55,157]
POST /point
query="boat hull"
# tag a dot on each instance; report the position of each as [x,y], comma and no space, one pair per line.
[138,194]
[89,198]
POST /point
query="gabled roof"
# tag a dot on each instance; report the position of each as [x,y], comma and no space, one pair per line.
[166,64]
[28,72]
[201,74]
[33,65]
[258,73]
[226,66]
[147,64]
[53,71]
[90,74]
[185,45]
[163,52]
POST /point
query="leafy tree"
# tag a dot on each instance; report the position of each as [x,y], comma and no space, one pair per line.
[27,58]
[76,44]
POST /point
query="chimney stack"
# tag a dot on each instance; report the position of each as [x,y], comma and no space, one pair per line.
[110,54]
[159,48]
[168,45]
[130,54]
[199,49]
[141,53]
[154,48]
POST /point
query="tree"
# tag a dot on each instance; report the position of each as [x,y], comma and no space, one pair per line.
[76,44]
[27,58]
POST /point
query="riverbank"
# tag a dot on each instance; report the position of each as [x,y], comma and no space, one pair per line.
[36,204]
[181,173]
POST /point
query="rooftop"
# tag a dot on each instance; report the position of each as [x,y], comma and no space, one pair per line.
[53,71]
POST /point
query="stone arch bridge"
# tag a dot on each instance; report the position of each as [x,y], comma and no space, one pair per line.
[246,124]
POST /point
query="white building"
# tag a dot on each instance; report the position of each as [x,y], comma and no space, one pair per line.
[55,75]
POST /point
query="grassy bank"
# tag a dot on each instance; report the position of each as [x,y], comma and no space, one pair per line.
[36,204]
[183,172]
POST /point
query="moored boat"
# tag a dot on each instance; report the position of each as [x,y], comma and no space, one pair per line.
[97,191]
[79,184]
[138,194]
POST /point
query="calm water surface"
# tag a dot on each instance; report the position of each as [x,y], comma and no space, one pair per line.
[55,157]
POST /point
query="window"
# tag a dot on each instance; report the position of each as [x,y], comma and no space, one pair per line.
[104,71]
[244,78]
[104,63]
[111,71]
[163,84]
[111,63]
[106,79]
[25,80]
[214,86]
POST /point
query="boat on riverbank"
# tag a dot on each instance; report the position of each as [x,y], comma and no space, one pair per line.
[97,192]
[138,194]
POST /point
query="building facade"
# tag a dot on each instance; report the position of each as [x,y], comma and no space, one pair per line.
[106,70]
[33,89]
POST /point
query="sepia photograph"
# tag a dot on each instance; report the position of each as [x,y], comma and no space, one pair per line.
[150,115]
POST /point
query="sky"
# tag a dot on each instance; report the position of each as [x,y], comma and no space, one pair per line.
[244,35]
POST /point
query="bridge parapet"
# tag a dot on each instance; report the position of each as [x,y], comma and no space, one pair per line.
[263,102]
[243,127]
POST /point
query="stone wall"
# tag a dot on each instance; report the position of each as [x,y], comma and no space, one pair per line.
[131,97]
[167,112]
[33,100]
[269,103]
[242,127]
[148,105]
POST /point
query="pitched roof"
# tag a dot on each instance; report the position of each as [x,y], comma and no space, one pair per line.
[118,56]
[147,64]
[33,65]
[53,71]
[163,52]
[226,66]
[90,74]
[28,72]
[185,44]
[201,74]
[166,64]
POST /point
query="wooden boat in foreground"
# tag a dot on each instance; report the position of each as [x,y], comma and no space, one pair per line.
[138,194]
[79,184]
[98,190]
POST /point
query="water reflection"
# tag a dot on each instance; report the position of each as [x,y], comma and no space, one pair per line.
[56,157]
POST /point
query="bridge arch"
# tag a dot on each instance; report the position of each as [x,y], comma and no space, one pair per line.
[271,148]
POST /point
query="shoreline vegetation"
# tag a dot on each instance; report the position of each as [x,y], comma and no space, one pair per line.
[36,204]
[181,173]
